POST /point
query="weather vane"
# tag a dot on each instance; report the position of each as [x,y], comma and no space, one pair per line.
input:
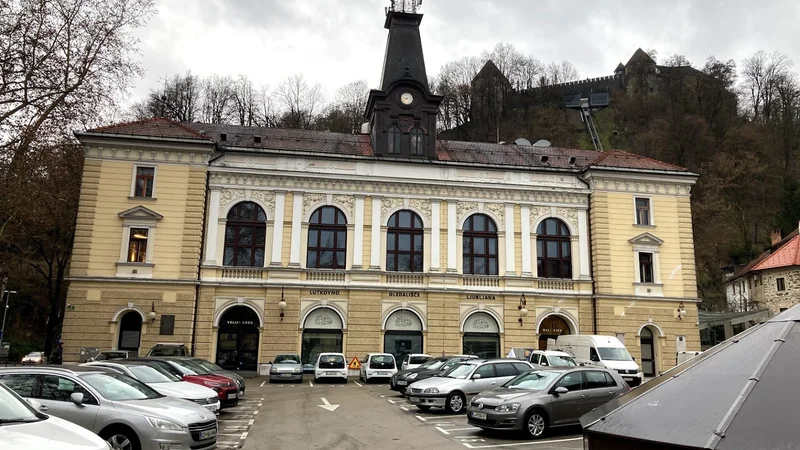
[405,6]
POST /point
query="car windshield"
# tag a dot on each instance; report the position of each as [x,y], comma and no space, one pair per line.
[614,354]
[166,351]
[191,368]
[561,361]
[287,359]
[536,380]
[34,354]
[450,364]
[14,410]
[432,364]
[418,359]
[119,387]
[461,372]
[152,374]
[208,365]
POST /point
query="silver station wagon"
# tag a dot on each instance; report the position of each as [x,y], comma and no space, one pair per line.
[453,389]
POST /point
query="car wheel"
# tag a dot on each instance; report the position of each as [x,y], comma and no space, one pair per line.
[424,407]
[535,424]
[121,439]
[455,402]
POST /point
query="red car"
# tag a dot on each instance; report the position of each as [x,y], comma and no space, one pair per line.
[226,389]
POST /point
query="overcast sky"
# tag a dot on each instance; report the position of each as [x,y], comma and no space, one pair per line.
[335,42]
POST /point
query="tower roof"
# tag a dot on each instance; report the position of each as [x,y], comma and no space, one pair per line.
[640,56]
[404,58]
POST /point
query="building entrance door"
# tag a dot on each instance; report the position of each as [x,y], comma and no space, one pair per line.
[322,333]
[551,328]
[238,339]
[403,335]
[481,336]
[130,332]
[648,353]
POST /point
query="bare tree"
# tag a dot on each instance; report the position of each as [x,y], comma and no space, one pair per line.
[345,114]
[761,74]
[677,60]
[562,72]
[300,102]
[217,98]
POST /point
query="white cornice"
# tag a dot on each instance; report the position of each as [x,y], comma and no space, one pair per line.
[640,183]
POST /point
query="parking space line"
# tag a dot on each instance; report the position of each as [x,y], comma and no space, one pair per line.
[404,408]
[552,441]
[359,385]
[421,418]
[311,384]
[463,429]
[263,383]
[440,429]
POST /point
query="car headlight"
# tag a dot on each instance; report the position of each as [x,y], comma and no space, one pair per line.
[273,370]
[412,376]
[162,424]
[214,383]
[508,407]
[431,391]
[298,370]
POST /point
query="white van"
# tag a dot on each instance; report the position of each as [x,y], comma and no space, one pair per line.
[606,351]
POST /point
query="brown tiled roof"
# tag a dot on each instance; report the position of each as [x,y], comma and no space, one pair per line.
[322,142]
[785,253]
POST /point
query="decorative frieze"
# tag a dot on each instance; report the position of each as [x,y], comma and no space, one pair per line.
[311,200]
[463,208]
[229,196]
[267,198]
[570,214]
[388,205]
[423,206]
[499,211]
[345,201]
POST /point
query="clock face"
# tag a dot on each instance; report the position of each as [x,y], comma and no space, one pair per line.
[406,98]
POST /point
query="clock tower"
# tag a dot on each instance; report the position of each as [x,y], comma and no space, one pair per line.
[402,113]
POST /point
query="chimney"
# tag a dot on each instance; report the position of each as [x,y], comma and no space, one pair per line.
[776,235]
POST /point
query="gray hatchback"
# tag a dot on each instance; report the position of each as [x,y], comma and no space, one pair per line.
[536,401]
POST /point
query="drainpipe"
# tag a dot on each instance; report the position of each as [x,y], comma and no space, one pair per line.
[591,261]
[202,250]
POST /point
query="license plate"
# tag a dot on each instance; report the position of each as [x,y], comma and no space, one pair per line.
[383,373]
[286,375]
[402,383]
[208,434]
[233,395]
[414,399]
[332,373]
[477,415]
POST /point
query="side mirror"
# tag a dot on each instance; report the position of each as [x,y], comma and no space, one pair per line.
[76,398]
[560,390]
[477,376]
[543,363]
[34,403]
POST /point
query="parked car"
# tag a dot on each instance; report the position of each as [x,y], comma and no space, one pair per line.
[169,349]
[34,358]
[217,370]
[113,354]
[312,362]
[226,389]
[413,360]
[432,368]
[25,428]
[536,401]
[377,365]
[330,365]
[286,367]
[124,412]
[453,390]
[163,381]
[551,358]
[604,351]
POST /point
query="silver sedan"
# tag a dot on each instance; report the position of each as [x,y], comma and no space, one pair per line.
[542,399]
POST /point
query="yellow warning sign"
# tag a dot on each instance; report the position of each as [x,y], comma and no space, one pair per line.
[354,364]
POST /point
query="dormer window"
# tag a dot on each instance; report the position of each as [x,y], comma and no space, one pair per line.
[394,140]
[417,142]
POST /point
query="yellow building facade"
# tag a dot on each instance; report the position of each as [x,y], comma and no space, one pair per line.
[246,242]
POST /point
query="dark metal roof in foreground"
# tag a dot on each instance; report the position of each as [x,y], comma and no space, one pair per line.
[741,394]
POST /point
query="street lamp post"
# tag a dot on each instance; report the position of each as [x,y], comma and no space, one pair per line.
[6,295]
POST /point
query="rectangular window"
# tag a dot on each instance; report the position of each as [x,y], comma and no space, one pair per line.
[145,176]
[643,211]
[781,284]
[646,268]
[137,245]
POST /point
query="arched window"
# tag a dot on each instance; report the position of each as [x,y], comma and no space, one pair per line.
[245,235]
[553,252]
[480,245]
[404,242]
[327,239]
[394,140]
[417,141]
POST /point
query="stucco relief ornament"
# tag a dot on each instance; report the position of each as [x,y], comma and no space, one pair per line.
[323,320]
[569,213]
[310,200]
[228,196]
[480,324]
[389,204]
[403,322]
[463,207]
[498,210]
[348,201]
[423,206]
[266,197]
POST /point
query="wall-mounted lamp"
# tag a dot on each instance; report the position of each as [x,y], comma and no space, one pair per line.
[681,311]
[523,311]
[282,304]
[152,313]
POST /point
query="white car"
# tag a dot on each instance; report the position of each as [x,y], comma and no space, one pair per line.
[551,358]
[164,382]
[24,428]
[414,360]
[377,365]
[331,365]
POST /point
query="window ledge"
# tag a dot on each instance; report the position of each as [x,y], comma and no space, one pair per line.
[148,199]
[134,264]
[643,226]
[649,284]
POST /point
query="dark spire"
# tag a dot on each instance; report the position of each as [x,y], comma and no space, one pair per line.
[403,59]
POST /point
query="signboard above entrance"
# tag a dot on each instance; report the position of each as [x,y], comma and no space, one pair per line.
[324,319]
[481,322]
[403,320]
